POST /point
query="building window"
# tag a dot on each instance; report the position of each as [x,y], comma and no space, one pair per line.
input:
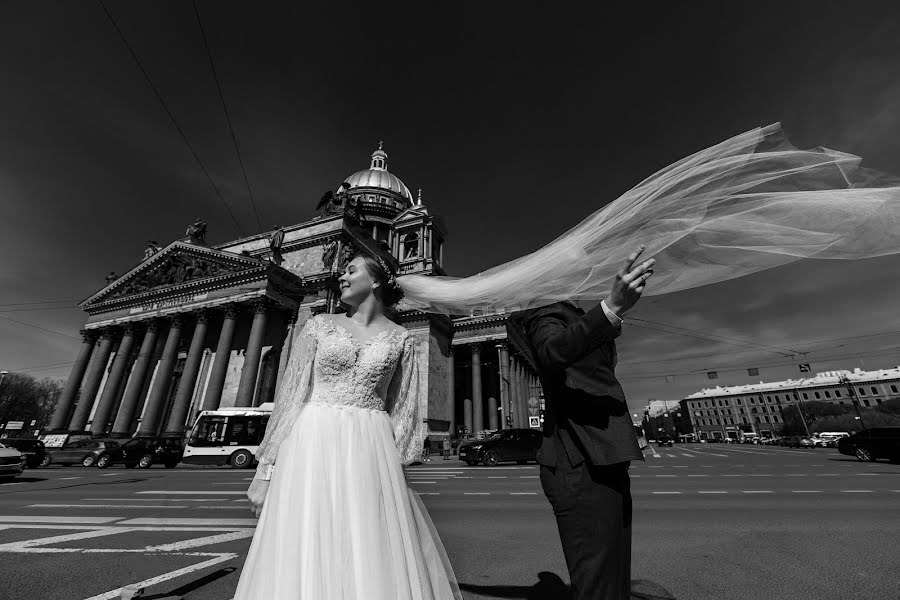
[805,396]
[862,391]
[766,419]
[878,401]
[837,393]
[777,399]
[827,394]
[894,389]
[769,399]
[738,401]
[410,243]
[818,396]
[874,390]
[775,419]
[752,400]
[866,402]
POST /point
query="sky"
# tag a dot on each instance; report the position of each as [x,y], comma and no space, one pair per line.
[517,120]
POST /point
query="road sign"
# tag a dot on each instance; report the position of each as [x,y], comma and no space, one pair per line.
[534,422]
[15,424]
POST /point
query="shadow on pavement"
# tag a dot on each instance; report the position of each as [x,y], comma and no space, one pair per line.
[193,585]
[551,587]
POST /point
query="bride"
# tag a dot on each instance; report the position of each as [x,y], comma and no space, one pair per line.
[337,519]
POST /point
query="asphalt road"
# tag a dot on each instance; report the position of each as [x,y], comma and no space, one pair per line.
[711,521]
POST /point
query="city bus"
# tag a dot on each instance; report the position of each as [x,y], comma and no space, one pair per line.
[227,436]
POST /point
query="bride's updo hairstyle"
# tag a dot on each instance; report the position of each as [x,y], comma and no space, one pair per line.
[388,292]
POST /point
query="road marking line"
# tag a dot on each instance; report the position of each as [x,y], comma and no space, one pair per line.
[698,475]
[826,474]
[476,493]
[671,456]
[158,499]
[162,521]
[666,492]
[857,491]
[429,493]
[760,475]
[756,491]
[665,475]
[417,481]
[111,474]
[795,474]
[869,474]
[106,506]
[185,493]
[711,492]
[529,476]
[523,493]
[732,475]
[219,558]
[496,476]
[688,455]
[79,477]
[54,519]
[202,541]
[806,491]
[58,539]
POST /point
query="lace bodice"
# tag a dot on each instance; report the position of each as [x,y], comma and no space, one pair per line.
[353,373]
[328,365]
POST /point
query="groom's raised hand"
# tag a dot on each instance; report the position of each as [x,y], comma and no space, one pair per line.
[629,283]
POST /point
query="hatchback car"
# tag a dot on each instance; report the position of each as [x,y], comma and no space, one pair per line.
[33,450]
[82,452]
[143,452]
[12,462]
[872,444]
[519,445]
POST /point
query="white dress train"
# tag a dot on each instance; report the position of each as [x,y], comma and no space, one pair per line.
[340,521]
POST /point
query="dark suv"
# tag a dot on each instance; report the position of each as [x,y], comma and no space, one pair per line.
[872,444]
[33,450]
[143,452]
[520,445]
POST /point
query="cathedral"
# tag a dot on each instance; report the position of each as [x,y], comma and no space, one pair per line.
[194,327]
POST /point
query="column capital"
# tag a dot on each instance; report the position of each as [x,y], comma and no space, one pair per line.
[231,311]
[107,333]
[203,316]
[131,327]
[261,305]
[178,320]
[88,336]
[152,325]
[475,347]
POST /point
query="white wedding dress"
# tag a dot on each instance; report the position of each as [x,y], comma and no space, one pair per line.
[340,521]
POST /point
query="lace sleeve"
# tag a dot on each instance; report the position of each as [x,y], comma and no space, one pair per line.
[293,392]
[409,427]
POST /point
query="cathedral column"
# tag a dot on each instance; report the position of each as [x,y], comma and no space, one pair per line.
[124,425]
[526,393]
[492,413]
[67,397]
[220,364]
[467,415]
[113,382]
[247,385]
[156,400]
[451,389]
[286,346]
[514,403]
[92,382]
[477,401]
[503,366]
[185,391]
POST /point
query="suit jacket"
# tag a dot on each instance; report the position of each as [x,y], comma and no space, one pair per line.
[586,417]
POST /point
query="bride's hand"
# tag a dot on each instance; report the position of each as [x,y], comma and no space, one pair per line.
[256,493]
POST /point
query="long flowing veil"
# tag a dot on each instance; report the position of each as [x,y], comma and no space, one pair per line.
[750,203]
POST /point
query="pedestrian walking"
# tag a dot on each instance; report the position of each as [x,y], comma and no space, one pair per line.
[447,448]
[426,451]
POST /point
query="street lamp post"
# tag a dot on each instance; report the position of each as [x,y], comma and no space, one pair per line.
[800,410]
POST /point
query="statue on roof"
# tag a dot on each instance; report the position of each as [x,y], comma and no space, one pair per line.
[151,249]
[197,231]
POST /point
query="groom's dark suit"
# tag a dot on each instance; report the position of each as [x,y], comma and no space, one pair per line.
[588,443]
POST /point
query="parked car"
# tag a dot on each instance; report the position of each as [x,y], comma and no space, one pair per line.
[82,452]
[828,439]
[807,442]
[872,444]
[12,462]
[519,445]
[793,441]
[143,452]
[33,450]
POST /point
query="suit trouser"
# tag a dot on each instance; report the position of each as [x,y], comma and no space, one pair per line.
[592,505]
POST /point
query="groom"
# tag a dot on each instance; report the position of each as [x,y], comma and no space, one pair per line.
[589,439]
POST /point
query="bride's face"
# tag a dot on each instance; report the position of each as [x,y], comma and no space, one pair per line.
[356,283]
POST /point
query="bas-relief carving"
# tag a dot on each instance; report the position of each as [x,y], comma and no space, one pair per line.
[175,269]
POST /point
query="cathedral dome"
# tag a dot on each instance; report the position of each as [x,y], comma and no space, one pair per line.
[377,178]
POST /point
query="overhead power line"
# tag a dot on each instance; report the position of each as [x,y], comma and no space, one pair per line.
[237,150]
[171,116]
[40,302]
[38,327]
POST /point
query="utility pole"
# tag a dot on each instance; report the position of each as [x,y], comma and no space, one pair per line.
[3,375]
[800,410]
[846,381]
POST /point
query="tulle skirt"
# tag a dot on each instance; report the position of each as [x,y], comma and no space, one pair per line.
[340,521]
